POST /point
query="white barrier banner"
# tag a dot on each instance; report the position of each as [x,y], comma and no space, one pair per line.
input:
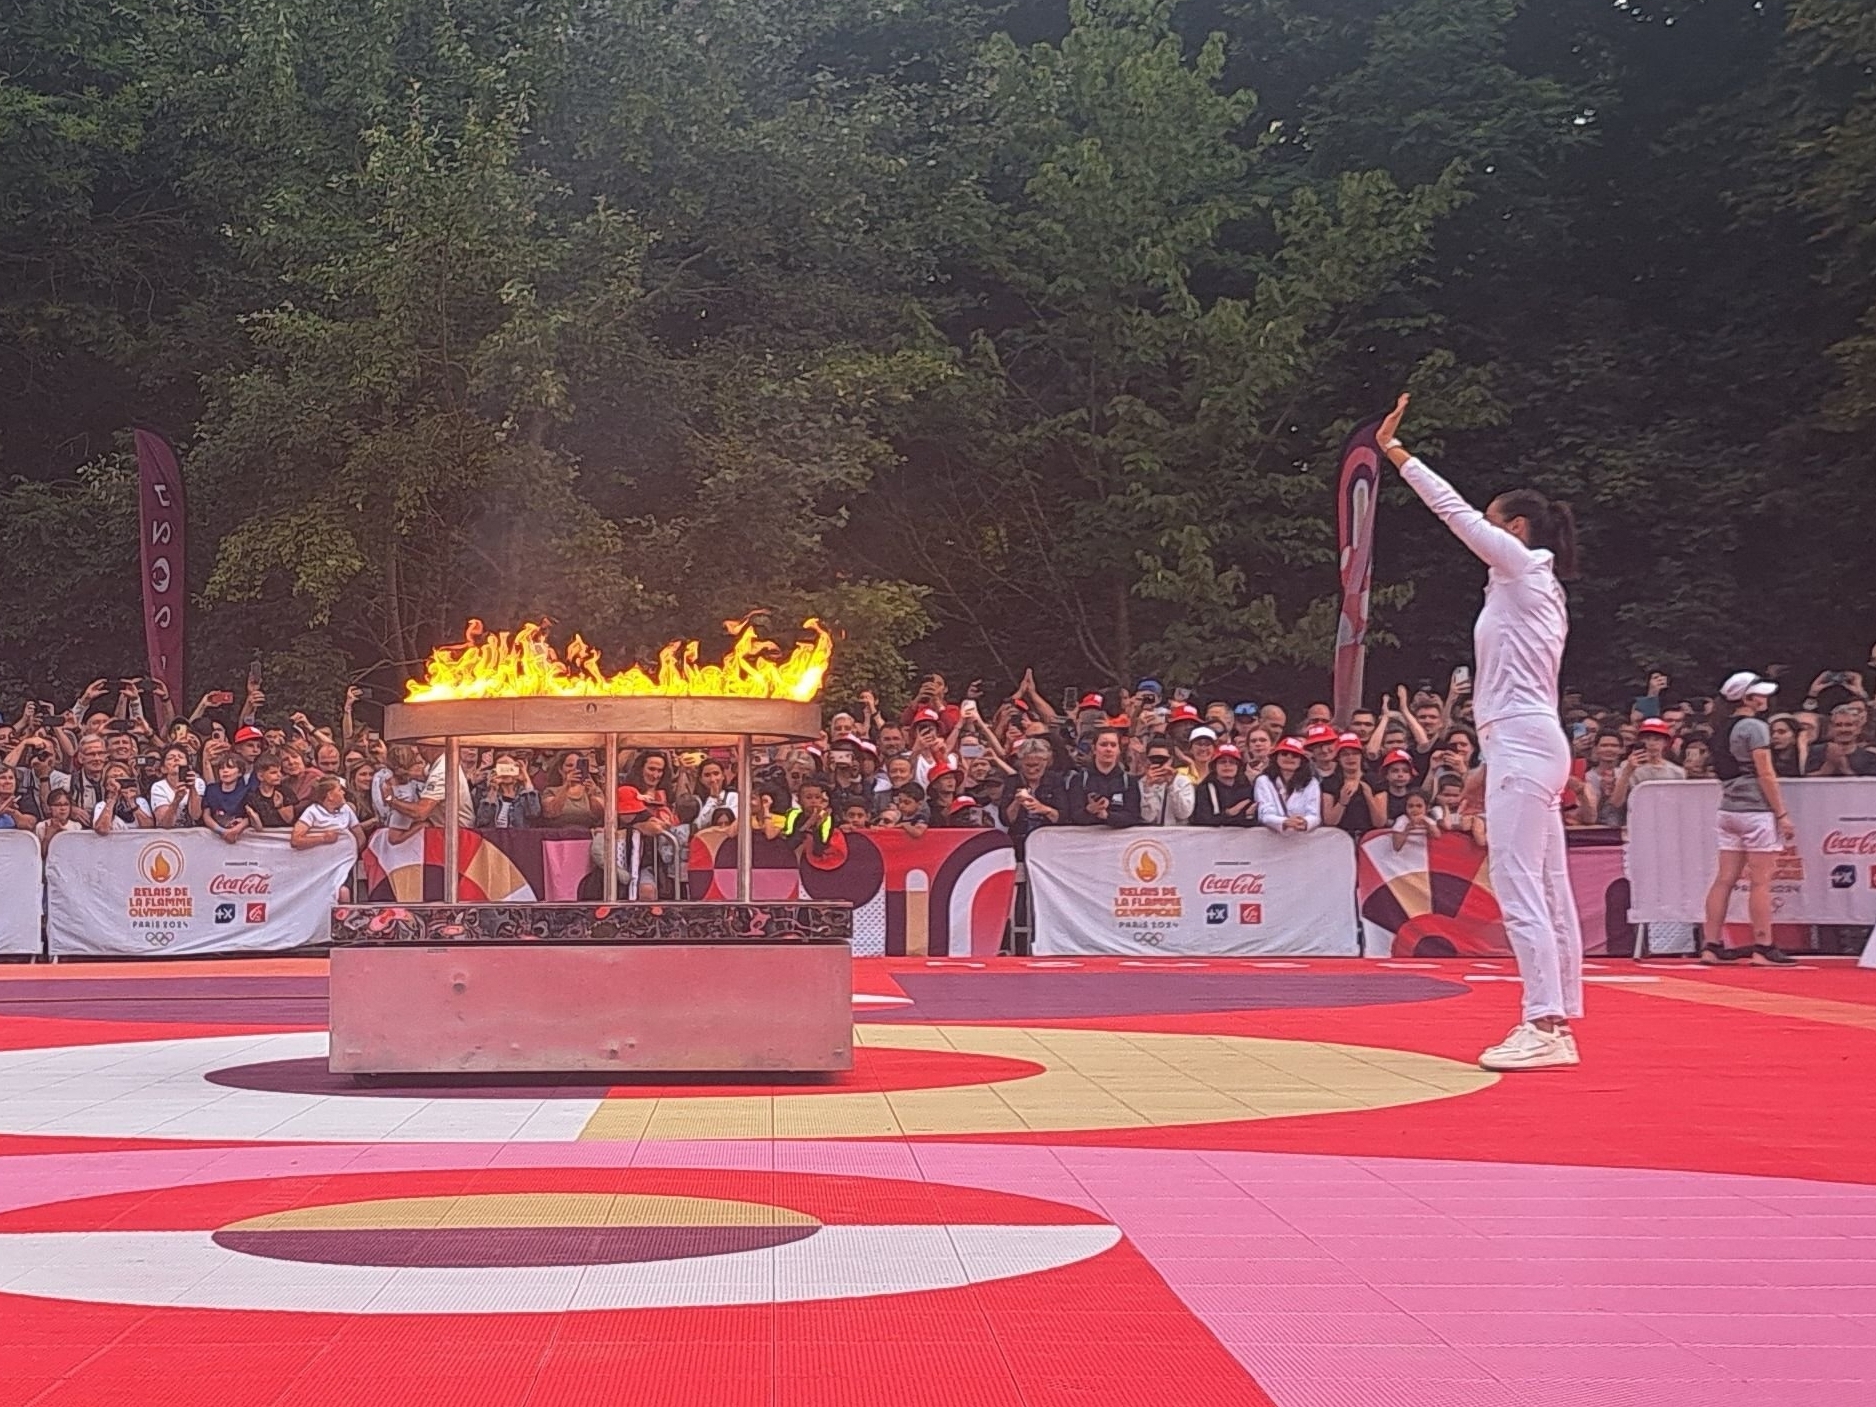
[1829,878]
[19,892]
[1199,890]
[156,892]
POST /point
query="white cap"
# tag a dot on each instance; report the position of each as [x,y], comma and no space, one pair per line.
[1746,682]
[1201,732]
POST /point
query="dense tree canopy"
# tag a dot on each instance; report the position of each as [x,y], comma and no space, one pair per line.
[999,332]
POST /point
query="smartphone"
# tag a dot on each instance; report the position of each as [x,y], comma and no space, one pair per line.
[1462,674]
[582,769]
[970,747]
[254,673]
[364,693]
[220,698]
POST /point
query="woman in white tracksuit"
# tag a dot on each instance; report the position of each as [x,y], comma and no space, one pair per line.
[1528,542]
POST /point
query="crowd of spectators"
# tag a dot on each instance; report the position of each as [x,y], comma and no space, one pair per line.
[120,757]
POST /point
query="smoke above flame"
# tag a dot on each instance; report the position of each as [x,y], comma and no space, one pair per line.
[524,664]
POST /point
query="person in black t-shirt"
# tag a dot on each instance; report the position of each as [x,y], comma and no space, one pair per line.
[269,802]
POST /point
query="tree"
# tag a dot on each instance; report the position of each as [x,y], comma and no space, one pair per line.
[1143,316]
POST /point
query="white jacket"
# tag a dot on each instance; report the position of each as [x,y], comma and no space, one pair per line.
[1274,807]
[1169,804]
[1518,639]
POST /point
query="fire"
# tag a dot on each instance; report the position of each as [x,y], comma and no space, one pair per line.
[525,665]
[159,869]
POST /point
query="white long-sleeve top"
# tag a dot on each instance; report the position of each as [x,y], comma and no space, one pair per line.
[1518,639]
[1167,803]
[1274,807]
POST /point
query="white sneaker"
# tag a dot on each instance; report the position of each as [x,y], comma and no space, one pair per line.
[1528,1048]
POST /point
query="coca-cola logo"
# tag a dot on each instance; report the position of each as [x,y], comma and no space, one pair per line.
[252,882]
[1232,884]
[1850,843]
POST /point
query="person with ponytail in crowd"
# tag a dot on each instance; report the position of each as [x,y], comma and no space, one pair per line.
[1754,826]
[1528,543]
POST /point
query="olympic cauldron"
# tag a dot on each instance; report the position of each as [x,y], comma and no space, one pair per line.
[648,985]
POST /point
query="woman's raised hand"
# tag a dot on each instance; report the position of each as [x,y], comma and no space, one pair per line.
[1390,427]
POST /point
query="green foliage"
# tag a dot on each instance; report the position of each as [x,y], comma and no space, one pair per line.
[997,333]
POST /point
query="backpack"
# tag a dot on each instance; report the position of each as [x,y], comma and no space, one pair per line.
[1725,765]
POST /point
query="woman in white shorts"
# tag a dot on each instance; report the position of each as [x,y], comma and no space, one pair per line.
[1753,824]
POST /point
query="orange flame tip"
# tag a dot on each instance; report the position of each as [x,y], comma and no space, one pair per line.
[526,665]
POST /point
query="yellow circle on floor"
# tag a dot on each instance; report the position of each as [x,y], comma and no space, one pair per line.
[1089,1080]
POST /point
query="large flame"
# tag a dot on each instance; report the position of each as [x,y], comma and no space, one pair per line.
[525,665]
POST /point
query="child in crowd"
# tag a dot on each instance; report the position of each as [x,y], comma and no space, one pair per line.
[1419,820]
[1448,807]
[908,811]
[225,804]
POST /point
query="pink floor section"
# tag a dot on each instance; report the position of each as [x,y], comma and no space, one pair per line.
[1575,1239]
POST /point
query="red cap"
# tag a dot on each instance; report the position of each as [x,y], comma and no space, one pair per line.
[1348,742]
[1660,727]
[248,733]
[962,803]
[628,802]
[1090,701]
[1293,746]
[860,744]
[1229,750]
[1319,733]
[1183,713]
[924,715]
[943,769]
[1020,704]
[1397,756]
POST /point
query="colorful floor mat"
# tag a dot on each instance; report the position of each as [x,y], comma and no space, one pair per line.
[1044,1183]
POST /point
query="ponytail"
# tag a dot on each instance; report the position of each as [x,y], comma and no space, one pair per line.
[1562,542]
[1553,526]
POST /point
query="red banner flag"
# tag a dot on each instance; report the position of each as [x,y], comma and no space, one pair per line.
[159,481]
[1356,489]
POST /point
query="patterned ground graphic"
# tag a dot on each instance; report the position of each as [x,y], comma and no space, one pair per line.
[1066,1182]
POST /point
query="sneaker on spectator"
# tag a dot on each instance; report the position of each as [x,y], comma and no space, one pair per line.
[1528,1048]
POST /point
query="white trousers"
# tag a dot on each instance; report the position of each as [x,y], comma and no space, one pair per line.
[1527,766]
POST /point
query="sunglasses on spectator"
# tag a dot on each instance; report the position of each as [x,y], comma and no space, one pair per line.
[1158,758]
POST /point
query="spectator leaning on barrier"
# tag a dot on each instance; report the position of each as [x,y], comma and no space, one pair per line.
[225,804]
[1348,802]
[1289,799]
[1419,821]
[1649,762]
[1791,741]
[59,818]
[269,802]
[327,820]
[1226,797]
[122,808]
[1165,793]
[12,816]
[1034,795]
[1842,751]
[1397,776]
[1596,797]
[1103,793]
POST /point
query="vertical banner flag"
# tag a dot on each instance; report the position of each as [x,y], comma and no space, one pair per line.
[1356,488]
[159,481]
